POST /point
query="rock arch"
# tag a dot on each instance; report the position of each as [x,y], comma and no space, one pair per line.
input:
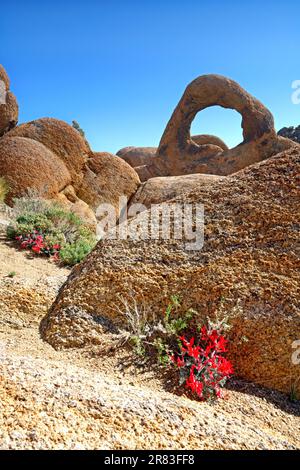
[179,154]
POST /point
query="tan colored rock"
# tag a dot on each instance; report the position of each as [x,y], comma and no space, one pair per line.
[138,156]
[141,158]
[124,150]
[28,164]
[69,199]
[248,268]
[61,138]
[203,139]
[4,77]
[146,172]
[163,188]
[106,178]
[179,154]
[9,110]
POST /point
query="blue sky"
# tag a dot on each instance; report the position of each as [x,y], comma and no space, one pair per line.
[120,67]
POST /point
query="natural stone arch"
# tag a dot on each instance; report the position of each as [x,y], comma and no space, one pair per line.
[179,154]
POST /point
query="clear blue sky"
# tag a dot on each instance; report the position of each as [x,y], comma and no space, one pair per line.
[120,67]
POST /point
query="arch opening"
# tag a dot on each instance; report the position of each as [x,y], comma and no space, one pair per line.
[223,123]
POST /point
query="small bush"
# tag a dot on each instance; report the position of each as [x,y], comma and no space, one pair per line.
[49,229]
[200,361]
[73,253]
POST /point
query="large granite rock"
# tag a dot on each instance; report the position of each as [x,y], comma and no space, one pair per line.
[26,163]
[106,178]
[163,188]
[59,137]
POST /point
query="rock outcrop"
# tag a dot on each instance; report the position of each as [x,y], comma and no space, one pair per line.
[124,150]
[163,188]
[291,132]
[179,154]
[53,160]
[9,110]
[4,77]
[138,156]
[247,269]
[26,163]
[59,137]
[203,139]
[141,158]
[106,178]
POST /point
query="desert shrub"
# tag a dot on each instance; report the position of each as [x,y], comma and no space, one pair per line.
[3,189]
[49,229]
[73,253]
[177,340]
[78,128]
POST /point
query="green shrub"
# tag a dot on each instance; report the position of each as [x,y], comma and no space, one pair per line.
[49,229]
[73,253]
[159,337]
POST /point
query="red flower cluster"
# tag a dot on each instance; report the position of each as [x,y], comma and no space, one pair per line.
[203,368]
[35,241]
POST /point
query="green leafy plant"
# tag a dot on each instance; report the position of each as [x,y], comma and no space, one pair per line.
[49,229]
[176,325]
[200,361]
[156,338]
[73,253]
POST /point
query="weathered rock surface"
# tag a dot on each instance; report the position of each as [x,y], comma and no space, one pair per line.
[163,188]
[138,156]
[141,158]
[124,150]
[177,152]
[90,399]
[69,173]
[248,268]
[61,138]
[107,178]
[203,139]
[4,77]
[9,110]
[291,132]
[26,163]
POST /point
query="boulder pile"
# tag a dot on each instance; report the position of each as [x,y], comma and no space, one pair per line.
[247,269]
[248,266]
[53,160]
